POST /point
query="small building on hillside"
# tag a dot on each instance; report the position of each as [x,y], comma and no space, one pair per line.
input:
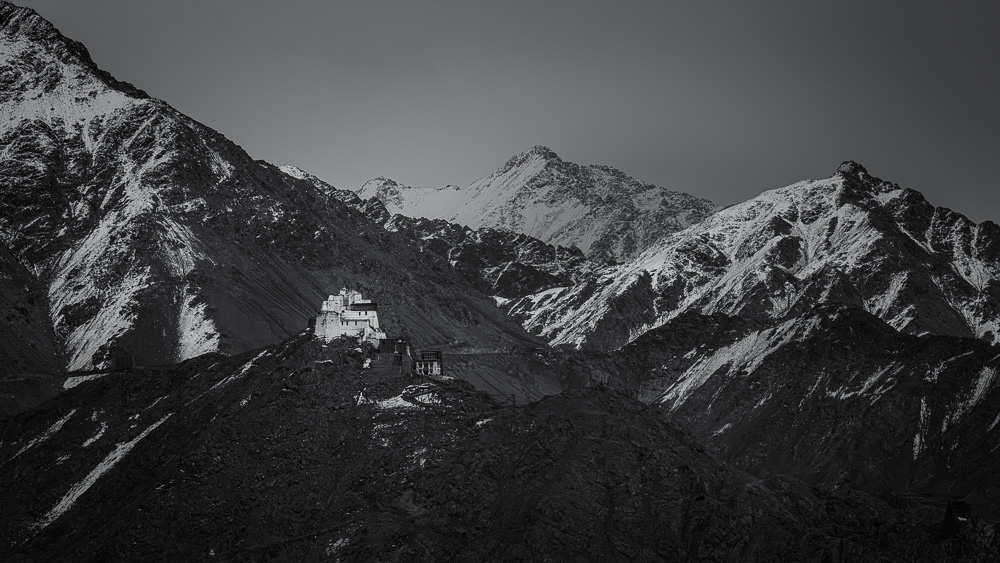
[392,359]
[429,363]
[349,314]
[123,363]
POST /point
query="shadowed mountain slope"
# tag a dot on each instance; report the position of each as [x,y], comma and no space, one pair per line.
[286,453]
[834,397]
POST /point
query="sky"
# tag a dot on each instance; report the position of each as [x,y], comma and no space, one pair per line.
[719,99]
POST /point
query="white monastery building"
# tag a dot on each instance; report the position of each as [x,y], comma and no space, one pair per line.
[349,314]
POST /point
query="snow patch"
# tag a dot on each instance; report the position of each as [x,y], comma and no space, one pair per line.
[56,426]
[196,332]
[983,384]
[107,463]
[75,380]
[246,367]
[97,435]
[724,427]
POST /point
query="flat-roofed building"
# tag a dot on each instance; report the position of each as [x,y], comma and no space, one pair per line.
[349,314]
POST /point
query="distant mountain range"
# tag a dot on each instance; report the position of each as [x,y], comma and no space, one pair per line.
[849,239]
[600,210]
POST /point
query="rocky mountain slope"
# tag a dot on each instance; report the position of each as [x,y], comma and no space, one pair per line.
[835,397]
[499,262]
[599,209]
[152,233]
[850,239]
[29,344]
[286,453]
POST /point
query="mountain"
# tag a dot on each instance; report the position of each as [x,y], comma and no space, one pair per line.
[151,233]
[599,209]
[288,453]
[500,263]
[835,397]
[849,239]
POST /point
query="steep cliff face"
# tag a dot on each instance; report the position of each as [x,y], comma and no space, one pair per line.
[286,453]
[598,209]
[850,239]
[153,233]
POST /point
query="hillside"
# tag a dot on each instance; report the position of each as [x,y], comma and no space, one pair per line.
[834,397]
[287,453]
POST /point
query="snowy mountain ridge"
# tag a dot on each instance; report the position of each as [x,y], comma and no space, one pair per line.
[501,263]
[51,89]
[599,209]
[850,239]
[154,235]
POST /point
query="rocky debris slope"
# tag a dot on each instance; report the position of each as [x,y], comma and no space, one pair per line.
[284,453]
[598,209]
[152,233]
[835,397]
[851,239]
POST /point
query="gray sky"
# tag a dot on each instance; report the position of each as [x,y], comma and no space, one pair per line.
[720,99]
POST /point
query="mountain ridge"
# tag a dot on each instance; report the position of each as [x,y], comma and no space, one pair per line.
[597,208]
[849,238]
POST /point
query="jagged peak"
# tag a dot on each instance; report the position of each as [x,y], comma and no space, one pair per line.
[20,15]
[856,179]
[381,181]
[17,21]
[851,168]
[542,151]
[536,152]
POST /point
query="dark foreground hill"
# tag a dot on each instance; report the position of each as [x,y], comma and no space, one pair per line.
[286,453]
[834,397]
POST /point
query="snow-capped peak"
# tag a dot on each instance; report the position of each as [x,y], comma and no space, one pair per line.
[850,238]
[598,209]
